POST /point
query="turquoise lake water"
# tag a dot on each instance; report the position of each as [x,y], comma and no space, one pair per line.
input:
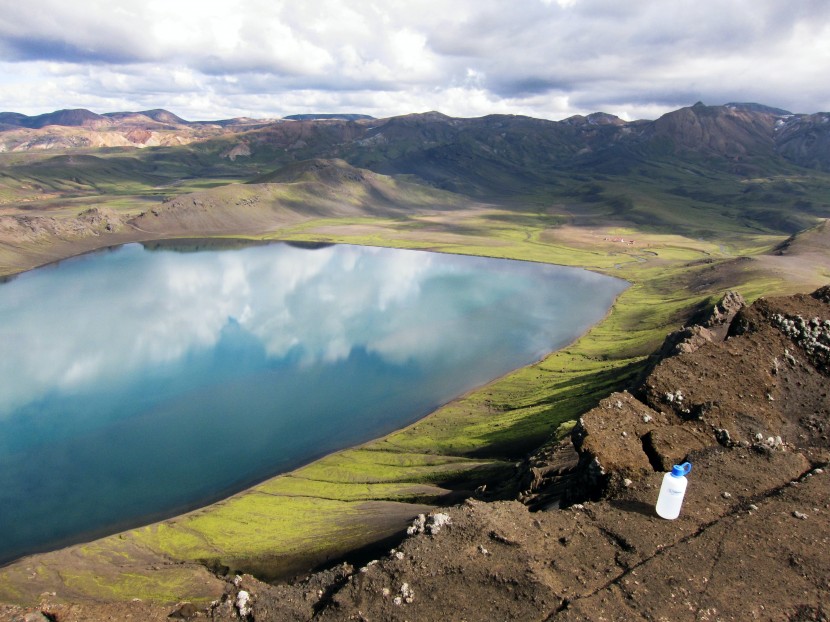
[140,382]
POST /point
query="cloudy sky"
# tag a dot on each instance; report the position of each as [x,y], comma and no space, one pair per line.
[210,59]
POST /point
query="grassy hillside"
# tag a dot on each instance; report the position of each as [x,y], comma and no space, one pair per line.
[699,171]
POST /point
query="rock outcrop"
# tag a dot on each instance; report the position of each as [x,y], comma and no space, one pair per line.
[92,222]
[749,377]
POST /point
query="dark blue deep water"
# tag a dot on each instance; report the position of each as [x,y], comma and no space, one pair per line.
[138,383]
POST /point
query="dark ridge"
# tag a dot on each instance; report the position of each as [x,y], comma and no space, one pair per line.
[77,117]
[753,107]
[328,117]
[12,118]
[311,246]
[193,245]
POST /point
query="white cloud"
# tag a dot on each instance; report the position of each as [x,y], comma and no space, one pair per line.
[254,56]
[320,301]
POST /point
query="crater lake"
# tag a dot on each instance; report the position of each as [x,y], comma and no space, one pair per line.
[143,381]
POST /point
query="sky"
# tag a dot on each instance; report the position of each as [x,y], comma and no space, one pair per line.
[209,59]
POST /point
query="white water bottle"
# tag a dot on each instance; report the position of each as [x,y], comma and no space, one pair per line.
[672,491]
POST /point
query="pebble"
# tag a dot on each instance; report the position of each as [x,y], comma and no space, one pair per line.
[417,525]
[437,521]
[407,593]
[431,524]
[726,495]
[243,603]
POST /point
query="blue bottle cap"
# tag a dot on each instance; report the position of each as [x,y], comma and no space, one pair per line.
[679,470]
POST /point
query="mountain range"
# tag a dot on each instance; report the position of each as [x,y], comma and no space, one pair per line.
[733,167]
[741,132]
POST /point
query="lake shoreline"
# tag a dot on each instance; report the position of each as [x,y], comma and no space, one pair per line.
[202,503]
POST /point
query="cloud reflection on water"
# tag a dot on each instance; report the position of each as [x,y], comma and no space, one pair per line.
[70,327]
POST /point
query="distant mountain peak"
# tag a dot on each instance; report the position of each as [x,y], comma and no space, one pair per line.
[163,116]
[432,115]
[67,117]
[595,118]
[158,115]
